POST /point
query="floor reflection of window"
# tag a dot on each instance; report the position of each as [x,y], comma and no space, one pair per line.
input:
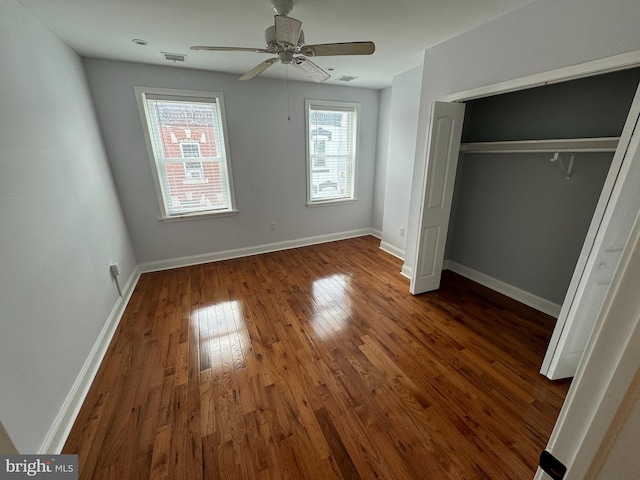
[223,336]
[331,304]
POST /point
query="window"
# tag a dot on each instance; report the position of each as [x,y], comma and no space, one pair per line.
[332,139]
[185,133]
[193,171]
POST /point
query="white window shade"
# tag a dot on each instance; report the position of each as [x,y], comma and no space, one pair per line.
[332,144]
[185,133]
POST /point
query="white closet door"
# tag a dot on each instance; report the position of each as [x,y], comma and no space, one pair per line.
[608,234]
[442,161]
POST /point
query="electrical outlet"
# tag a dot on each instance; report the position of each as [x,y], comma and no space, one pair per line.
[402,231]
[115,269]
[272,226]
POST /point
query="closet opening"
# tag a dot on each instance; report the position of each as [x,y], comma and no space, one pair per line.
[530,175]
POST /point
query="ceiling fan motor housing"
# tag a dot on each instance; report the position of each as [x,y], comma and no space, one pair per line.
[275,46]
[282,7]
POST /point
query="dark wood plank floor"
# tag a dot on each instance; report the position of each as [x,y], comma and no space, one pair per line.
[316,363]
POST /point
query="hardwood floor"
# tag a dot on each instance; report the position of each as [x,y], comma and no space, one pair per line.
[317,363]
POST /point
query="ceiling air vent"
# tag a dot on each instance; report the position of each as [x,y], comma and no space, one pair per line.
[345,78]
[174,57]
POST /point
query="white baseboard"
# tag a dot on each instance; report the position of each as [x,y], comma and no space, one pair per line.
[393,250]
[407,271]
[247,251]
[57,435]
[510,291]
[376,233]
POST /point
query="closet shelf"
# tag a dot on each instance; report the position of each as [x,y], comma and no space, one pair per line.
[601,144]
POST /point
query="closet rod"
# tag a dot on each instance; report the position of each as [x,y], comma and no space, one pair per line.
[601,144]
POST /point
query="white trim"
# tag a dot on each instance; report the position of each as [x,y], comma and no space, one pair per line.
[57,434]
[328,203]
[337,106]
[407,271]
[376,233]
[572,72]
[600,144]
[392,250]
[510,291]
[247,251]
[198,216]
[143,94]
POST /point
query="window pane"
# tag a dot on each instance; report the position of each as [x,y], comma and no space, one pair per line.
[190,149]
[331,143]
[193,186]
[181,131]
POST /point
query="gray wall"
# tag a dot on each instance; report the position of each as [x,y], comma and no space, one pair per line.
[515,218]
[539,37]
[267,155]
[595,106]
[519,221]
[61,226]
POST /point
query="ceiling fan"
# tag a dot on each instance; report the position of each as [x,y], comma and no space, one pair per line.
[286,40]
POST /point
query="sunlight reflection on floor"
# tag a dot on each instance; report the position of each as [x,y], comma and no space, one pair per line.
[331,304]
[223,336]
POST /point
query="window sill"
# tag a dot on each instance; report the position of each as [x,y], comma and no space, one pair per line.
[197,216]
[324,203]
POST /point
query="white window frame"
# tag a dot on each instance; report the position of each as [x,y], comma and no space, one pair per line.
[144,93]
[336,106]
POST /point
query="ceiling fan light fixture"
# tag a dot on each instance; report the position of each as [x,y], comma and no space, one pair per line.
[286,57]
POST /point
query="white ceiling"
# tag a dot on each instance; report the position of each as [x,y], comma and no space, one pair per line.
[401,30]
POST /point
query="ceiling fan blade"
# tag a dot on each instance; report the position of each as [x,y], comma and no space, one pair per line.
[329,49]
[287,30]
[313,71]
[230,49]
[258,69]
